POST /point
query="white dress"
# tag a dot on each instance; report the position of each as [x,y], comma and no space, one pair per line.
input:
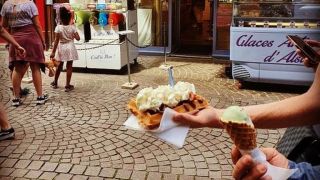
[66,49]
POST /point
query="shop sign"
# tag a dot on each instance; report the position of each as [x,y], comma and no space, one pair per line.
[264,47]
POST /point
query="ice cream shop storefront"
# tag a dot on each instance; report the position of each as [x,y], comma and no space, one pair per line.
[185,27]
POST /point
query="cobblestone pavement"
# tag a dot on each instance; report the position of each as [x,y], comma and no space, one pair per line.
[79,135]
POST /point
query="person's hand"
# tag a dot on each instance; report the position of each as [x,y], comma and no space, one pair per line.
[21,51]
[52,55]
[246,168]
[208,117]
[307,62]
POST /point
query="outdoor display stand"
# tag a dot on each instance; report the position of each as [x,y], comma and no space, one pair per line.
[259,48]
[98,23]
[129,84]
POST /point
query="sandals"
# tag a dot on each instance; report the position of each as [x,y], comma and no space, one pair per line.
[69,88]
[54,85]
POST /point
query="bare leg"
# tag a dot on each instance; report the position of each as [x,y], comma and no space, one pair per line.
[17,75]
[4,121]
[36,76]
[58,71]
[69,72]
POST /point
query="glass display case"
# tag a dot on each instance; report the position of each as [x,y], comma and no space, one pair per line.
[100,24]
[259,48]
[276,13]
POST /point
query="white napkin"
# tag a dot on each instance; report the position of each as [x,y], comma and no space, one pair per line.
[168,130]
[274,172]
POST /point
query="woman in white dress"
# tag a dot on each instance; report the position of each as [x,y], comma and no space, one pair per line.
[65,33]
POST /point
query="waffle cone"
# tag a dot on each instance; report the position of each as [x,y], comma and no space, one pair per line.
[152,120]
[243,135]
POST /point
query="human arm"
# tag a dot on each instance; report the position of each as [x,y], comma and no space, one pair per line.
[55,45]
[37,25]
[295,111]
[6,36]
[75,33]
[76,36]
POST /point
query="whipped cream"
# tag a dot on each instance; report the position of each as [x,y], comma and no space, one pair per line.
[152,99]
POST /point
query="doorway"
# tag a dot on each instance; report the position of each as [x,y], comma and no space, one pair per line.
[193,28]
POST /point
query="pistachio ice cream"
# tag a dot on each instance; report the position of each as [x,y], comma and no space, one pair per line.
[240,127]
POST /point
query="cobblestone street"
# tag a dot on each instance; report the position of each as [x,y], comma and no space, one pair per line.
[80,134]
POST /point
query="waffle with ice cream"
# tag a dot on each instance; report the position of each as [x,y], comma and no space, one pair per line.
[240,128]
[149,104]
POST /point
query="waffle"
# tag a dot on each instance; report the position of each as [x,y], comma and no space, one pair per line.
[151,120]
[51,64]
[243,135]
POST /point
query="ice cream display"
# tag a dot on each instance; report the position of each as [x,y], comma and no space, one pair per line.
[240,128]
[149,104]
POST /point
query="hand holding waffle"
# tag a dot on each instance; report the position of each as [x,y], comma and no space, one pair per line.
[150,103]
[208,117]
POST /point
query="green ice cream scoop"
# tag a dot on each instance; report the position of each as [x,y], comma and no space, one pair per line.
[235,114]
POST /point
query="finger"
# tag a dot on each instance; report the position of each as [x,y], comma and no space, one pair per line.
[307,63]
[242,166]
[194,112]
[256,172]
[186,119]
[267,177]
[312,43]
[235,154]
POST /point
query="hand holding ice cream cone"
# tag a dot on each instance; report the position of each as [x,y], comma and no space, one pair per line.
[240,128]
[242,132]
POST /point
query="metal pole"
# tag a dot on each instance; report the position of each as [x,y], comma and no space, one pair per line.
[128,59]
[129,84]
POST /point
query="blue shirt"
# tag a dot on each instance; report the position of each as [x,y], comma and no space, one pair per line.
[305,171]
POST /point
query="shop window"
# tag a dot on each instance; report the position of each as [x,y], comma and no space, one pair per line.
[153,22]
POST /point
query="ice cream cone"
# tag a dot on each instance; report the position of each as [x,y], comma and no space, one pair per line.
[240,128]
[242,135]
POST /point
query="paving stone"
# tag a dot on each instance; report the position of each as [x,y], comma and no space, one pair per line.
[78,169]
[92,171]
[32,174]
[137,175]
[19,173]
[9,163]
[48,175]
[170,177]
[191,172]
[203,172]
[63,176]
[6,171]
[63,168]
[35,165]
[107,172]
[154,176]
[184,177]
[48,166]
[80,177]
[123,174]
